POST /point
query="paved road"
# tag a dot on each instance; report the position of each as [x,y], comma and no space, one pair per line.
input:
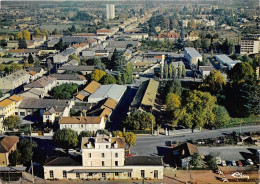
[147,145]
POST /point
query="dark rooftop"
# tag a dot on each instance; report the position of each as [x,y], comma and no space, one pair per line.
[143,160]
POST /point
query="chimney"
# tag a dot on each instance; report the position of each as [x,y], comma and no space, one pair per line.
[89,145]
[115,145]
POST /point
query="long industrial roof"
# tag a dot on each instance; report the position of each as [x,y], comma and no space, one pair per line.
[192,52]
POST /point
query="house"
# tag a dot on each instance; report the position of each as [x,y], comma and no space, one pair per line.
[192,56]
[63,56]
[36,72]
[69,79]
[14,80]
[183,151]
[36,107]
[113,91]
[107,32]
[80,124]
[7,145]
[33,93]
[44,84]
[205,70]
[54,113]
[103,157]
[12,44]
[83,69]
[9,105]
[145,96]
[23,52]
[80,47]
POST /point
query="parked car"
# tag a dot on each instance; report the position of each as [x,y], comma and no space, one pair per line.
[224,163]
[218,160]
[234,163]
[250,162]
[229,163]
[239,163]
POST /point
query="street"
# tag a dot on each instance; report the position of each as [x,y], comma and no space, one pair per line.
[147,144]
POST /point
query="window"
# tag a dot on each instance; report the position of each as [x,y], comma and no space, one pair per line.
[142,174]
[106,146]
[103,175]
[116,163]
[156,174]
[81,126]
[129,175]
[116,174]
[51,174]
[89,155]
[64,174]
[103,163]
[77,175]
[22,113]
[116,155]
[103,155]
[90,174]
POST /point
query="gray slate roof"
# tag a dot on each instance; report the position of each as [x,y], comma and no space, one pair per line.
[32,103]
[143,161]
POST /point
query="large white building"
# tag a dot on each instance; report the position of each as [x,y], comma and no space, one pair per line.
[103,157]
[224,60]
[192,56]
[110,11]
[250,45]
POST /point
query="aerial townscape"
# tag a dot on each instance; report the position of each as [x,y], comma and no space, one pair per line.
[138,92]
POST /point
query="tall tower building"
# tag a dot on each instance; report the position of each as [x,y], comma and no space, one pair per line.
[110,11]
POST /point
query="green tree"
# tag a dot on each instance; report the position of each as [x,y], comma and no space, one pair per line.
[129,72]
[173,87]
[12,121]
[119,78]
[74,56]
[84,134]
[179,70]
[108,79]
[198,106]
[2,67]
[172,102]
[205,43]
[117,133]
[1,94]
[14,157]
[65,138]
[222,117]
[183,70]
[211,162]
[26,64]
[26,148]
[7,70]
[174,72]
[26,35]
[19,35]
[139,121]
[64,91]
[30,59]
[196,161]
[22,44]
[97,75]
[239,72]
[214,82]
[130,139]
[166,70]
[170,70]
[102,131]
[124,78]
[243,98]
[117,60]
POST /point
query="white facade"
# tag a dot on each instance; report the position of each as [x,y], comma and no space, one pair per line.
[83,126]
[110,11]
[192,56]
[250,46]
